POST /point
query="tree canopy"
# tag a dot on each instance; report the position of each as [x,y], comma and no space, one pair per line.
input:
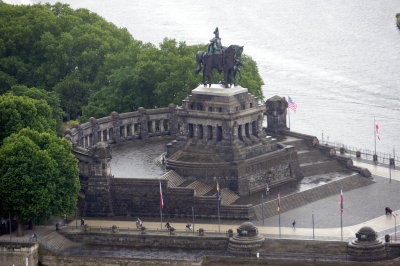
[39,176]
[93,66]
[18,112]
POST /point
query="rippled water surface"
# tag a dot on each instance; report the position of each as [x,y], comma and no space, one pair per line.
[339,60]
[137,159]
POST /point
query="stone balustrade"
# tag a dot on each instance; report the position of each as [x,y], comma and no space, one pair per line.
[117,128]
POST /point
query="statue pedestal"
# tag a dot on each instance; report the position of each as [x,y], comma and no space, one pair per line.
[219,90]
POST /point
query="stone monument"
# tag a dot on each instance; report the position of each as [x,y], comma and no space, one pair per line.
[222,140]
[366,247]
[247,239]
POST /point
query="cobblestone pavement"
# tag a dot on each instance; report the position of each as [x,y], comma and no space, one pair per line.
[362,207]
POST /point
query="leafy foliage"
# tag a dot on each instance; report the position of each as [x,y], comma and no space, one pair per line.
[38,176]
[18,112]
[93,66]
[50,97]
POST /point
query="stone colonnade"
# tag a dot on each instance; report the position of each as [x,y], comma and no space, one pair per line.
[120,127]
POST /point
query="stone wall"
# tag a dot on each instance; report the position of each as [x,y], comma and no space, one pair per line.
[18,253]
[54,260]
[117,128]
[151,241]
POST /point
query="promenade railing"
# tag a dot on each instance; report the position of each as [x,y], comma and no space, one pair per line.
[364,153]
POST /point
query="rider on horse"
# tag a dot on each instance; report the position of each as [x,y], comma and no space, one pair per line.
[215,46]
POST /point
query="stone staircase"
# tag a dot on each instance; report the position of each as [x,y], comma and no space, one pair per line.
[55,242]
[298,199]
[228,196]
[174,180]
[200,188]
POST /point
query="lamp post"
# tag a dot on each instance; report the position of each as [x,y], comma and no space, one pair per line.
[262,207]
[313,235]
[395,225]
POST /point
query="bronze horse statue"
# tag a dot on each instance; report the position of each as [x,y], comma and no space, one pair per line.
[227,62]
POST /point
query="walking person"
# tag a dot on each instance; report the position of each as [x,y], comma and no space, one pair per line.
[82,222]
[294,224]
[189,226]
[138,223]
[168,226]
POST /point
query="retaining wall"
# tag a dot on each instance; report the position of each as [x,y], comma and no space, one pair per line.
[19,253]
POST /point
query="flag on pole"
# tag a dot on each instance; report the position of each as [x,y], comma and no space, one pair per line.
[218,192]
[292,104]
[279,201]
[161,198]
[341,201]
[377,131]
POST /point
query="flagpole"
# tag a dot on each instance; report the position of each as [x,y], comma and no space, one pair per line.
[218,202]
[161,203]
[262,206]
[279,222]
[160,218]
[289,117]
[219,220]
[341,214]
[341,225]
[375,134]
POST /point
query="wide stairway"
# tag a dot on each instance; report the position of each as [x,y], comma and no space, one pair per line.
[200,188]
[317,167]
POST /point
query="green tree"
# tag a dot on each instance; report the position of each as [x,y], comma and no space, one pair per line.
[50,97]
[39,176]
[17,112]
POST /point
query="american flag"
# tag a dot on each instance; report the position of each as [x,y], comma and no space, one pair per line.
[292,104]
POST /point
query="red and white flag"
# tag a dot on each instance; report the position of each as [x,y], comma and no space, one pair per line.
[161,198]
[341,201]
[377,131]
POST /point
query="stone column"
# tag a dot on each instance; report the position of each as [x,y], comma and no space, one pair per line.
[276,110]
[143,123]
[116,137]
[161,125]
[173,120]
[95,128]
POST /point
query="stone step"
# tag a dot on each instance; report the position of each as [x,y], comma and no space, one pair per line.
[174,179]
[298,143]
[160,160]
[200,188]
[228,196]
[57,243]
[308,156]
[321,167]
[302,198]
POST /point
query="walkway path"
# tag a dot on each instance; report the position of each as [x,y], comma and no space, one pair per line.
[362,207]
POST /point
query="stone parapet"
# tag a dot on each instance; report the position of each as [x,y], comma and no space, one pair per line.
[19,253]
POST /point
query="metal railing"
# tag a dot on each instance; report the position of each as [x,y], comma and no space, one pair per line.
[135,231]
[365,153]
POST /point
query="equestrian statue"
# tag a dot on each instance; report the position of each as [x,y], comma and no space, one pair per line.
[223,59]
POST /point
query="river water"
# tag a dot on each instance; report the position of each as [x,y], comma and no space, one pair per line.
[338,60]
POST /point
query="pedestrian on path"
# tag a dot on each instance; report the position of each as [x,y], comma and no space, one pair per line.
[82,222]
[139,223]
[294,224]
[34,237]
[167,225]
[189,226]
